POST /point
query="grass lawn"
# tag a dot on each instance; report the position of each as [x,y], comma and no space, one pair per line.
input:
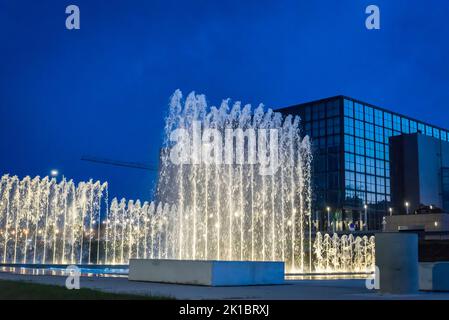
[18,290]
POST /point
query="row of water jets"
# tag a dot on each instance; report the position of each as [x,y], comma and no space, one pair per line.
[43,221]
[345,254]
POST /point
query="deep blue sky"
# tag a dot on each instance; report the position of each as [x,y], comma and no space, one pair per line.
[103,90]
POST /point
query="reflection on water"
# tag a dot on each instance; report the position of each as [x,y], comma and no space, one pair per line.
[122,272]
[346,276]
[61,271]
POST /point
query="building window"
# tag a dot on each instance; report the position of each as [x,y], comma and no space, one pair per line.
[349,161]
[387,186]
[396,123]
[333,126]
[369,117]
[380,168]
[378,117]
[360,164]
[349,126]
[380,185]
[322,128]
[333,141]
[421,128]
[370,166]
[413,127]
[358,111]
[380,154]
[380,198]
[387,134]
[369,131]
[361,196]
[333,108]
[332,180]
[349,195]
[387,120]
[359,129]
[443,135]
[370,183]
[360,182]
[308,115]
[359,146]
[436,133]
[349,108]
[379,134]
[308,129]
[370,148]
[350,180]
[405,126]
[371,198]
[429,131]
[387,168]
[349,143]
[322,110]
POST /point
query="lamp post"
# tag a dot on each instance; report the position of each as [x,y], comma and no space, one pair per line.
[54,173]
[406,207]
[391,211]
[328,209]
[365,225]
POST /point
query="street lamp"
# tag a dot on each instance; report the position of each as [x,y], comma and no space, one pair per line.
[328,218]
[54,173]
[391,211]
[406,206]
[366,216]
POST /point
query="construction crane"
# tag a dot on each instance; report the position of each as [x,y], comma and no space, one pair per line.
[135,165]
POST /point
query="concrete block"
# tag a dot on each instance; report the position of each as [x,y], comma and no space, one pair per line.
[397,260]
[207,272]
[434,276]
[425,276]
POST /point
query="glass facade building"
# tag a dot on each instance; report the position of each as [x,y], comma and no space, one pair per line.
[351,166]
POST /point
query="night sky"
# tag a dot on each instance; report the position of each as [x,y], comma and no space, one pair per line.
[103,90]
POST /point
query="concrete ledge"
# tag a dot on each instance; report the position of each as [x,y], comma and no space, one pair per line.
[207,272]
[434,276]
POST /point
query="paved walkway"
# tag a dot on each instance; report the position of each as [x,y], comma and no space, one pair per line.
[292,290]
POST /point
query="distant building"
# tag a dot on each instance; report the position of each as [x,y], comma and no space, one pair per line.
[419,171]
[351,166]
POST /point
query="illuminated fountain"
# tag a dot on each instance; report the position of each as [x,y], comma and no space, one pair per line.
[43,221]
[234,209]
[345,254]
[230,211]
